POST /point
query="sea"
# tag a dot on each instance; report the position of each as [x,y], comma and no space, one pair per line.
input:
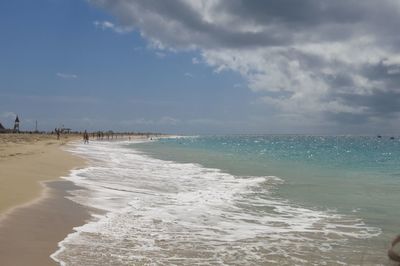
[236,200]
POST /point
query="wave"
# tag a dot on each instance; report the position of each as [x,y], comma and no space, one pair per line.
[168,213]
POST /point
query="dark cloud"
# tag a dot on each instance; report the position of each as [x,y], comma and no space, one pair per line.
[184,26]
[378,103]
[298,13]
[320,20]
[389,74]
[347,118]
[340,81]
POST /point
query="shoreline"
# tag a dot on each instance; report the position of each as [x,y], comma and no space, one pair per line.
[55,217]
[35,214]
[35,211]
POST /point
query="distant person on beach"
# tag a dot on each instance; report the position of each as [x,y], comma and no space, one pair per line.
[57,132]
[392,254]
[86,137]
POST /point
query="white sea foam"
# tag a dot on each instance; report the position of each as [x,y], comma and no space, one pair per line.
[167,213]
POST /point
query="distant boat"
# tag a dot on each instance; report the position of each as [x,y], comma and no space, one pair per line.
[391,137]
[379,136]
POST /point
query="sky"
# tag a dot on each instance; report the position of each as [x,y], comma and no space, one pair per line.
[202,66]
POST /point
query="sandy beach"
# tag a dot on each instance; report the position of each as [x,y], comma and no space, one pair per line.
[34,213]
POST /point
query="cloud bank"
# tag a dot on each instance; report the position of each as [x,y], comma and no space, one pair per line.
[322,60]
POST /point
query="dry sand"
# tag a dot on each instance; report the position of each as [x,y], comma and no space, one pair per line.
[25,160]
[35,215]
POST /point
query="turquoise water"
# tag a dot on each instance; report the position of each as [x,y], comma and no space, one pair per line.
[236,200]
[354,175]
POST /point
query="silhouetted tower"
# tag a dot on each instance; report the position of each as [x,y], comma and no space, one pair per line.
[16,125]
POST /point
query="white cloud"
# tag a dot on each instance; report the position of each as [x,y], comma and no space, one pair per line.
[66,76]
[107,25]
[188,75]
[394,71]
[195,61]
[160,54]
[316,59]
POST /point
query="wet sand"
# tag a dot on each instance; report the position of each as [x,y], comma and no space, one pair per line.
[29,235]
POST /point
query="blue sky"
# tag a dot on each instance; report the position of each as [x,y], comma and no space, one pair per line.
[177,67]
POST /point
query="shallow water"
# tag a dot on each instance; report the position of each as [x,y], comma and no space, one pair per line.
[240,200]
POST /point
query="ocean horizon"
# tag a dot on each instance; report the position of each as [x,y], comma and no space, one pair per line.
[236,200]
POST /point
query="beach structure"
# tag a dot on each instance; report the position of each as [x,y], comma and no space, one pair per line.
[16,125]
[66,130]
[2,128]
